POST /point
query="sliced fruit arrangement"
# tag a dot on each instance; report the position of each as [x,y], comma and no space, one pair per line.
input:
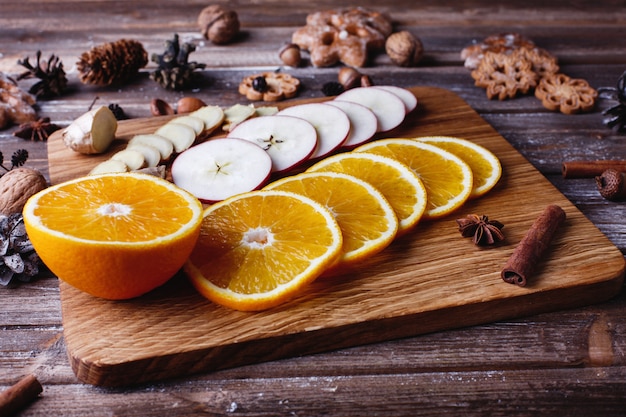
[397,182]
[220,168]
[116,235]
[447,178]
[259,249]
[368,222]
[486,167]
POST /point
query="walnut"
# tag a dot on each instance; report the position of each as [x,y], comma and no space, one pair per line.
[218,24]
[404,49]
[17,186]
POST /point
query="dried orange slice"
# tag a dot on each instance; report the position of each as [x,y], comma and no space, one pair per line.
[448,180]
[259,249]
[367,220]
[115,236]
[400,186]
[485,165]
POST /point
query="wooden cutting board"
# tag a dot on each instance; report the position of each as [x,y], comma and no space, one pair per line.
[430,280]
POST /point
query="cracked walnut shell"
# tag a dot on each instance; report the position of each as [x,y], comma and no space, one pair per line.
[278,87]
[567,95]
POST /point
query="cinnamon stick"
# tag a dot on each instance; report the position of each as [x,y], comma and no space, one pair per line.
[522,263]
[590,169]
[19,395]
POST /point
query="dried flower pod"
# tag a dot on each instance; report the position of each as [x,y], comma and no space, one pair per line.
[290,54]
[53,81]
[18,259]
[612,184]
[482,230]
[37,130]
[112,63]
[174,70]
[17,186]
[404,49]
[218,24]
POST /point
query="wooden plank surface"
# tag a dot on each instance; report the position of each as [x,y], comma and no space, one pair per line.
[429,280]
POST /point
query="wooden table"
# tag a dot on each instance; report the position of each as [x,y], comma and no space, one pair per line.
[571,362]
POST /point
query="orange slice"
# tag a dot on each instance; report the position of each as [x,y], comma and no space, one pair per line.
[367,220]
[448,180]
[114,236]
[259,249]
[485,165]
[400,186]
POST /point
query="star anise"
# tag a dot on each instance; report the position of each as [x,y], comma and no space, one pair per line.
[38,130]
[482,230]
[53,80]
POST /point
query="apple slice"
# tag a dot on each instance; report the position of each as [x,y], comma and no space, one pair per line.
[331,123]
[363,122]
[288,140]
[165,146]
[192,121]
[212,116]
[181,136]
[387,107]
[408,98]
[220,168]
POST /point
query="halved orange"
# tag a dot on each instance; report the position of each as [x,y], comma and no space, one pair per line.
[447,178]
[485,165]
[115,236]
[259,249]
[367,220]
[400,186]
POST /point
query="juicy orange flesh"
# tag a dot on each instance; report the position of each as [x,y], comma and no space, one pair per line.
[441,177]
[386,181]
[259,246]
[359,215]
[113,213]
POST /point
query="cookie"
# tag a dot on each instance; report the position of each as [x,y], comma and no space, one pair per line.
[276,87]
[345,35]
[558,92]
[505,75]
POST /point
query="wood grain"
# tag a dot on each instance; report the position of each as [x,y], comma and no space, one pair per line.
[429,280]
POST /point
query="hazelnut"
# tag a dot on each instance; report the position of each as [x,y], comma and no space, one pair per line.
[159,107]
[217,24]
[349,77]
[290,54]
[366,81]
[189,104]
[404,49]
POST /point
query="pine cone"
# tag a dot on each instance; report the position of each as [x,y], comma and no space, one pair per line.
[112,63]
[18,258]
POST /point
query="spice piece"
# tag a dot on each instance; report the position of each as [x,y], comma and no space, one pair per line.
[37,130]
[18,396]
[611,185]
[591,169]
[332,88]
[522,263]
[482,230]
